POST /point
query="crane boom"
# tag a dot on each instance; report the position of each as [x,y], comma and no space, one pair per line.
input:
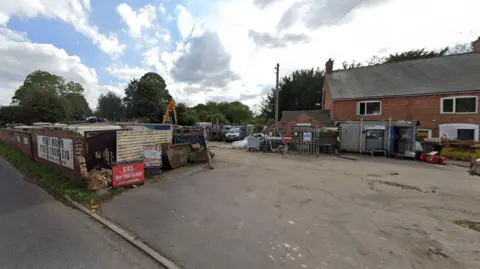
[170,109]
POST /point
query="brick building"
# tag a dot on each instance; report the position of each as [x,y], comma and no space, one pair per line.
[303,118]
[432,91]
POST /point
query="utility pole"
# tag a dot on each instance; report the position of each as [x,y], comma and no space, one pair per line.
[276,100]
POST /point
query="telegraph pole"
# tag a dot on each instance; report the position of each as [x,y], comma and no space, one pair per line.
[277,68]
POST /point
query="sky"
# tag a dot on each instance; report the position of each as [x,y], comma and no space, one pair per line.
[216,50]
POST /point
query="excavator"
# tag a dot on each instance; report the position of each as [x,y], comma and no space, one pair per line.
[167,118]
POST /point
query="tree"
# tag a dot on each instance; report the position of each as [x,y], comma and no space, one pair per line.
[40,99]
[302,90]
[186,116]
[46,97]
[41,81]
[210,112]
[78,106]
[235,112]
[71,87]
[147,98]
[110,106]
[351,65]
[127,100]
[415,54]
[460,48]
[375,60]
[12,114]
[45,106]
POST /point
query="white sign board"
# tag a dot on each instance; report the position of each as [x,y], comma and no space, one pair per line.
[66,153]
[56,150]
[152,155]
[42,148]
[377,127]
[307,136]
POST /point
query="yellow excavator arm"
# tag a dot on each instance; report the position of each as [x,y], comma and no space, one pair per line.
[170,109]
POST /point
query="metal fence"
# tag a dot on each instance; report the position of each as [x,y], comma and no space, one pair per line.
[313,140]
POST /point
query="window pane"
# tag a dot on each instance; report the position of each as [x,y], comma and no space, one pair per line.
[422,133]
[447,105]
[465,134]
[465,104]
[361,109]
[373,108]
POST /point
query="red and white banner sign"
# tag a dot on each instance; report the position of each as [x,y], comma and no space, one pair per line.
[152,155]
[127,174]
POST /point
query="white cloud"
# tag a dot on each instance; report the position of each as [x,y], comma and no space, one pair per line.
[126,73]
[86,4]
[137,20]
[405,24]
[7,34]
[166,37]
[302,41]
[163,62]
[185,21]
[161,8]
[19,57]
[74,12]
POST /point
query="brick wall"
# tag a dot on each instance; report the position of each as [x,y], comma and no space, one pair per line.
[425,109]
[328,102]
[78,154]
[17,139]
[476,45]
[287,127]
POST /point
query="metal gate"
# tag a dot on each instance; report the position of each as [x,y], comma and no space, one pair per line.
[314,140]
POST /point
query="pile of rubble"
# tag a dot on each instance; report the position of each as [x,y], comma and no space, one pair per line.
[99,179]
[475,166]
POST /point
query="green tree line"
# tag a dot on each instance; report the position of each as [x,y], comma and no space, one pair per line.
[146,99]
[48,98]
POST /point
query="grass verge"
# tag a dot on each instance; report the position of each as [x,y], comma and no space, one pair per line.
[48,177]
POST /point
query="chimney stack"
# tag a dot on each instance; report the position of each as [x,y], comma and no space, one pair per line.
[329,66]
[476,45]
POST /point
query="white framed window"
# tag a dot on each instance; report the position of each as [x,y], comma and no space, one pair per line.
[459,105]
[369,108]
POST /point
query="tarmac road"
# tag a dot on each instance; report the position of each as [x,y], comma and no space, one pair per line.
[36,231]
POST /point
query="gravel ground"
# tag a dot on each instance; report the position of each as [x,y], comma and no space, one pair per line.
[259,210]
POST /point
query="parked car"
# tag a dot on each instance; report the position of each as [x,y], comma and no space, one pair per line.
[95,119]
[233,134]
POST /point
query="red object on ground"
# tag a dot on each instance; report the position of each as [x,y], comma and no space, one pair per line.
[431,159]
[127,174]
[422,157]
[435,159]
[287,138]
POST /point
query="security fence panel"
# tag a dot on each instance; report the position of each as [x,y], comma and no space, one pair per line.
[314,140]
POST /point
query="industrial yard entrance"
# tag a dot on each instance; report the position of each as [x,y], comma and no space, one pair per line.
[313,139]
[263,210]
